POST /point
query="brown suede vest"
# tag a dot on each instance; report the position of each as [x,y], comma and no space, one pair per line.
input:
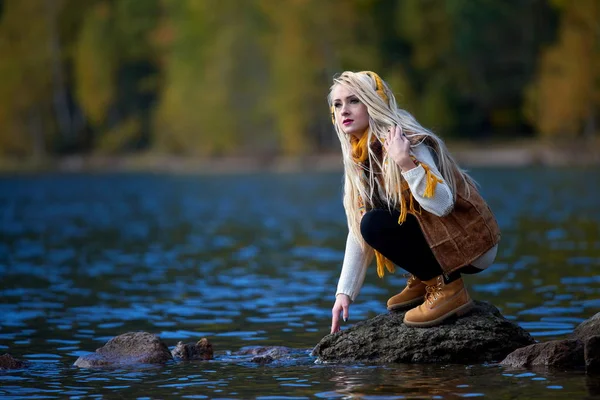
[460,237]
[465,234]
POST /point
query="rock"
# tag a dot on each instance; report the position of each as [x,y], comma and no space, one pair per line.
[582,348]
[566,353]
[202,350]
[483,335]
[262,360]
[9,362]
[589,333]
[273,351]
[592,354]
[127,349]
[266,354]
[588,328]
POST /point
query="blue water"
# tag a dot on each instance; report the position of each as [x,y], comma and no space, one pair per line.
[254,260]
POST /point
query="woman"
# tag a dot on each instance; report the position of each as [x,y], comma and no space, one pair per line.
[408,203]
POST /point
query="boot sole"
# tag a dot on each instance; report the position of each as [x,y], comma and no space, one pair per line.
[407,304]
[460,311]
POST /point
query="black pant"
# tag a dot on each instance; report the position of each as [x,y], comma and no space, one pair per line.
[404,244]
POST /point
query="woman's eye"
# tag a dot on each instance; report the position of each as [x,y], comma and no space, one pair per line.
[354,101]
[337,105]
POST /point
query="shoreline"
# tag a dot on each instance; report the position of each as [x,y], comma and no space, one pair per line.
[468,155]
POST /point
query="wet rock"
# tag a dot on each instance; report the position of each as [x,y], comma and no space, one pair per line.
[483,335]
[9,362]
[592,355]
[563,354]
[587,329]
[589,333]
[262,360]
[127,349]
[582,348]
[202,350]
[266,354]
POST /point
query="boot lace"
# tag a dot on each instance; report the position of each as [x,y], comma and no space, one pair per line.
[433,292]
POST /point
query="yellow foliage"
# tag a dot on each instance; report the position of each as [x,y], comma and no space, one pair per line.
[95,65]
[25,84]
[565,90]
[114,140]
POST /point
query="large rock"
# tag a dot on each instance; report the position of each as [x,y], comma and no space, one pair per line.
[592,354]
[556,354]
[201,350]
[589,333]
[9,362]
[587,329]
[483,335]
[127,349]
[581,349]
[265,355]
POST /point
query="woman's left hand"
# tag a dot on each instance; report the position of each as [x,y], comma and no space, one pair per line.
[398,148]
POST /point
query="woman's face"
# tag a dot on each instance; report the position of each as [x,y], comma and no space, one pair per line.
[350,114]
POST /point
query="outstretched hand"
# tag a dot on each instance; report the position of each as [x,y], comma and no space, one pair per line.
[342,305]
[398,148]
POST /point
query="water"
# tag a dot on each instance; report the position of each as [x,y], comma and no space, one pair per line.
[254,260]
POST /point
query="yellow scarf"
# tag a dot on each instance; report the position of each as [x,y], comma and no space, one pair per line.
[360,154]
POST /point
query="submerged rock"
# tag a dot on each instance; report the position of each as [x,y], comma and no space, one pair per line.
[266,354]
[9,362]
[127,349]
[202,350]
[483,335]
[556,353]
[581,349]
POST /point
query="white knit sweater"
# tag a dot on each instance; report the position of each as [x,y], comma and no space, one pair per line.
[356,260]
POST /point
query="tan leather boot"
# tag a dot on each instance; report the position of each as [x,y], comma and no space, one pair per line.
[441,301]
[412,295]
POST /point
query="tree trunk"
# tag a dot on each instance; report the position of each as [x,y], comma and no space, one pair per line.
[60,98]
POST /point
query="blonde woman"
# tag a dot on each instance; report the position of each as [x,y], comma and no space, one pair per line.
[407,203]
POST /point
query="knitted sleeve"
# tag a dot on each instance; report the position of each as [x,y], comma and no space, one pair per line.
[354,268]
[441,201]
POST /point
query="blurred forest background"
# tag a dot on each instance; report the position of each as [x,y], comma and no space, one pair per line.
[238,77]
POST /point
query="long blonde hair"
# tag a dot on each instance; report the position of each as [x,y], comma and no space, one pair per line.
[383,112]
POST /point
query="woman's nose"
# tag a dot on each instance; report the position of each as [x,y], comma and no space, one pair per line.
[345,110]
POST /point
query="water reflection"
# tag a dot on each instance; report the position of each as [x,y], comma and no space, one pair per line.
[253,260]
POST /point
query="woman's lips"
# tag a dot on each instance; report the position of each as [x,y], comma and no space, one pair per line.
[347,121]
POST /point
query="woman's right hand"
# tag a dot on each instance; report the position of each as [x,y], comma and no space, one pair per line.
[342,305]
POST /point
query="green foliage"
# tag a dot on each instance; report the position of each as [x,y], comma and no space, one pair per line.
[119,137]
[564,98]
[25,121]
[216,77]
[95,65]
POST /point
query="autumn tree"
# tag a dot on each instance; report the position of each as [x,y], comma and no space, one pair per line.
[563,100]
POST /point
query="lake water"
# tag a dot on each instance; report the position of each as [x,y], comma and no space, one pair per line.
[253,260]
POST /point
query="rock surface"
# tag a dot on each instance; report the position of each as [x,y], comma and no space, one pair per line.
[483,335]
[127,349]
[556,353]
[589,333]
[592,354]
[9,362]
[265,355]
[588,328]
[202,350]
[581,349]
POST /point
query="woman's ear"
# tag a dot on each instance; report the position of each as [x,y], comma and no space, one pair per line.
[333,115]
